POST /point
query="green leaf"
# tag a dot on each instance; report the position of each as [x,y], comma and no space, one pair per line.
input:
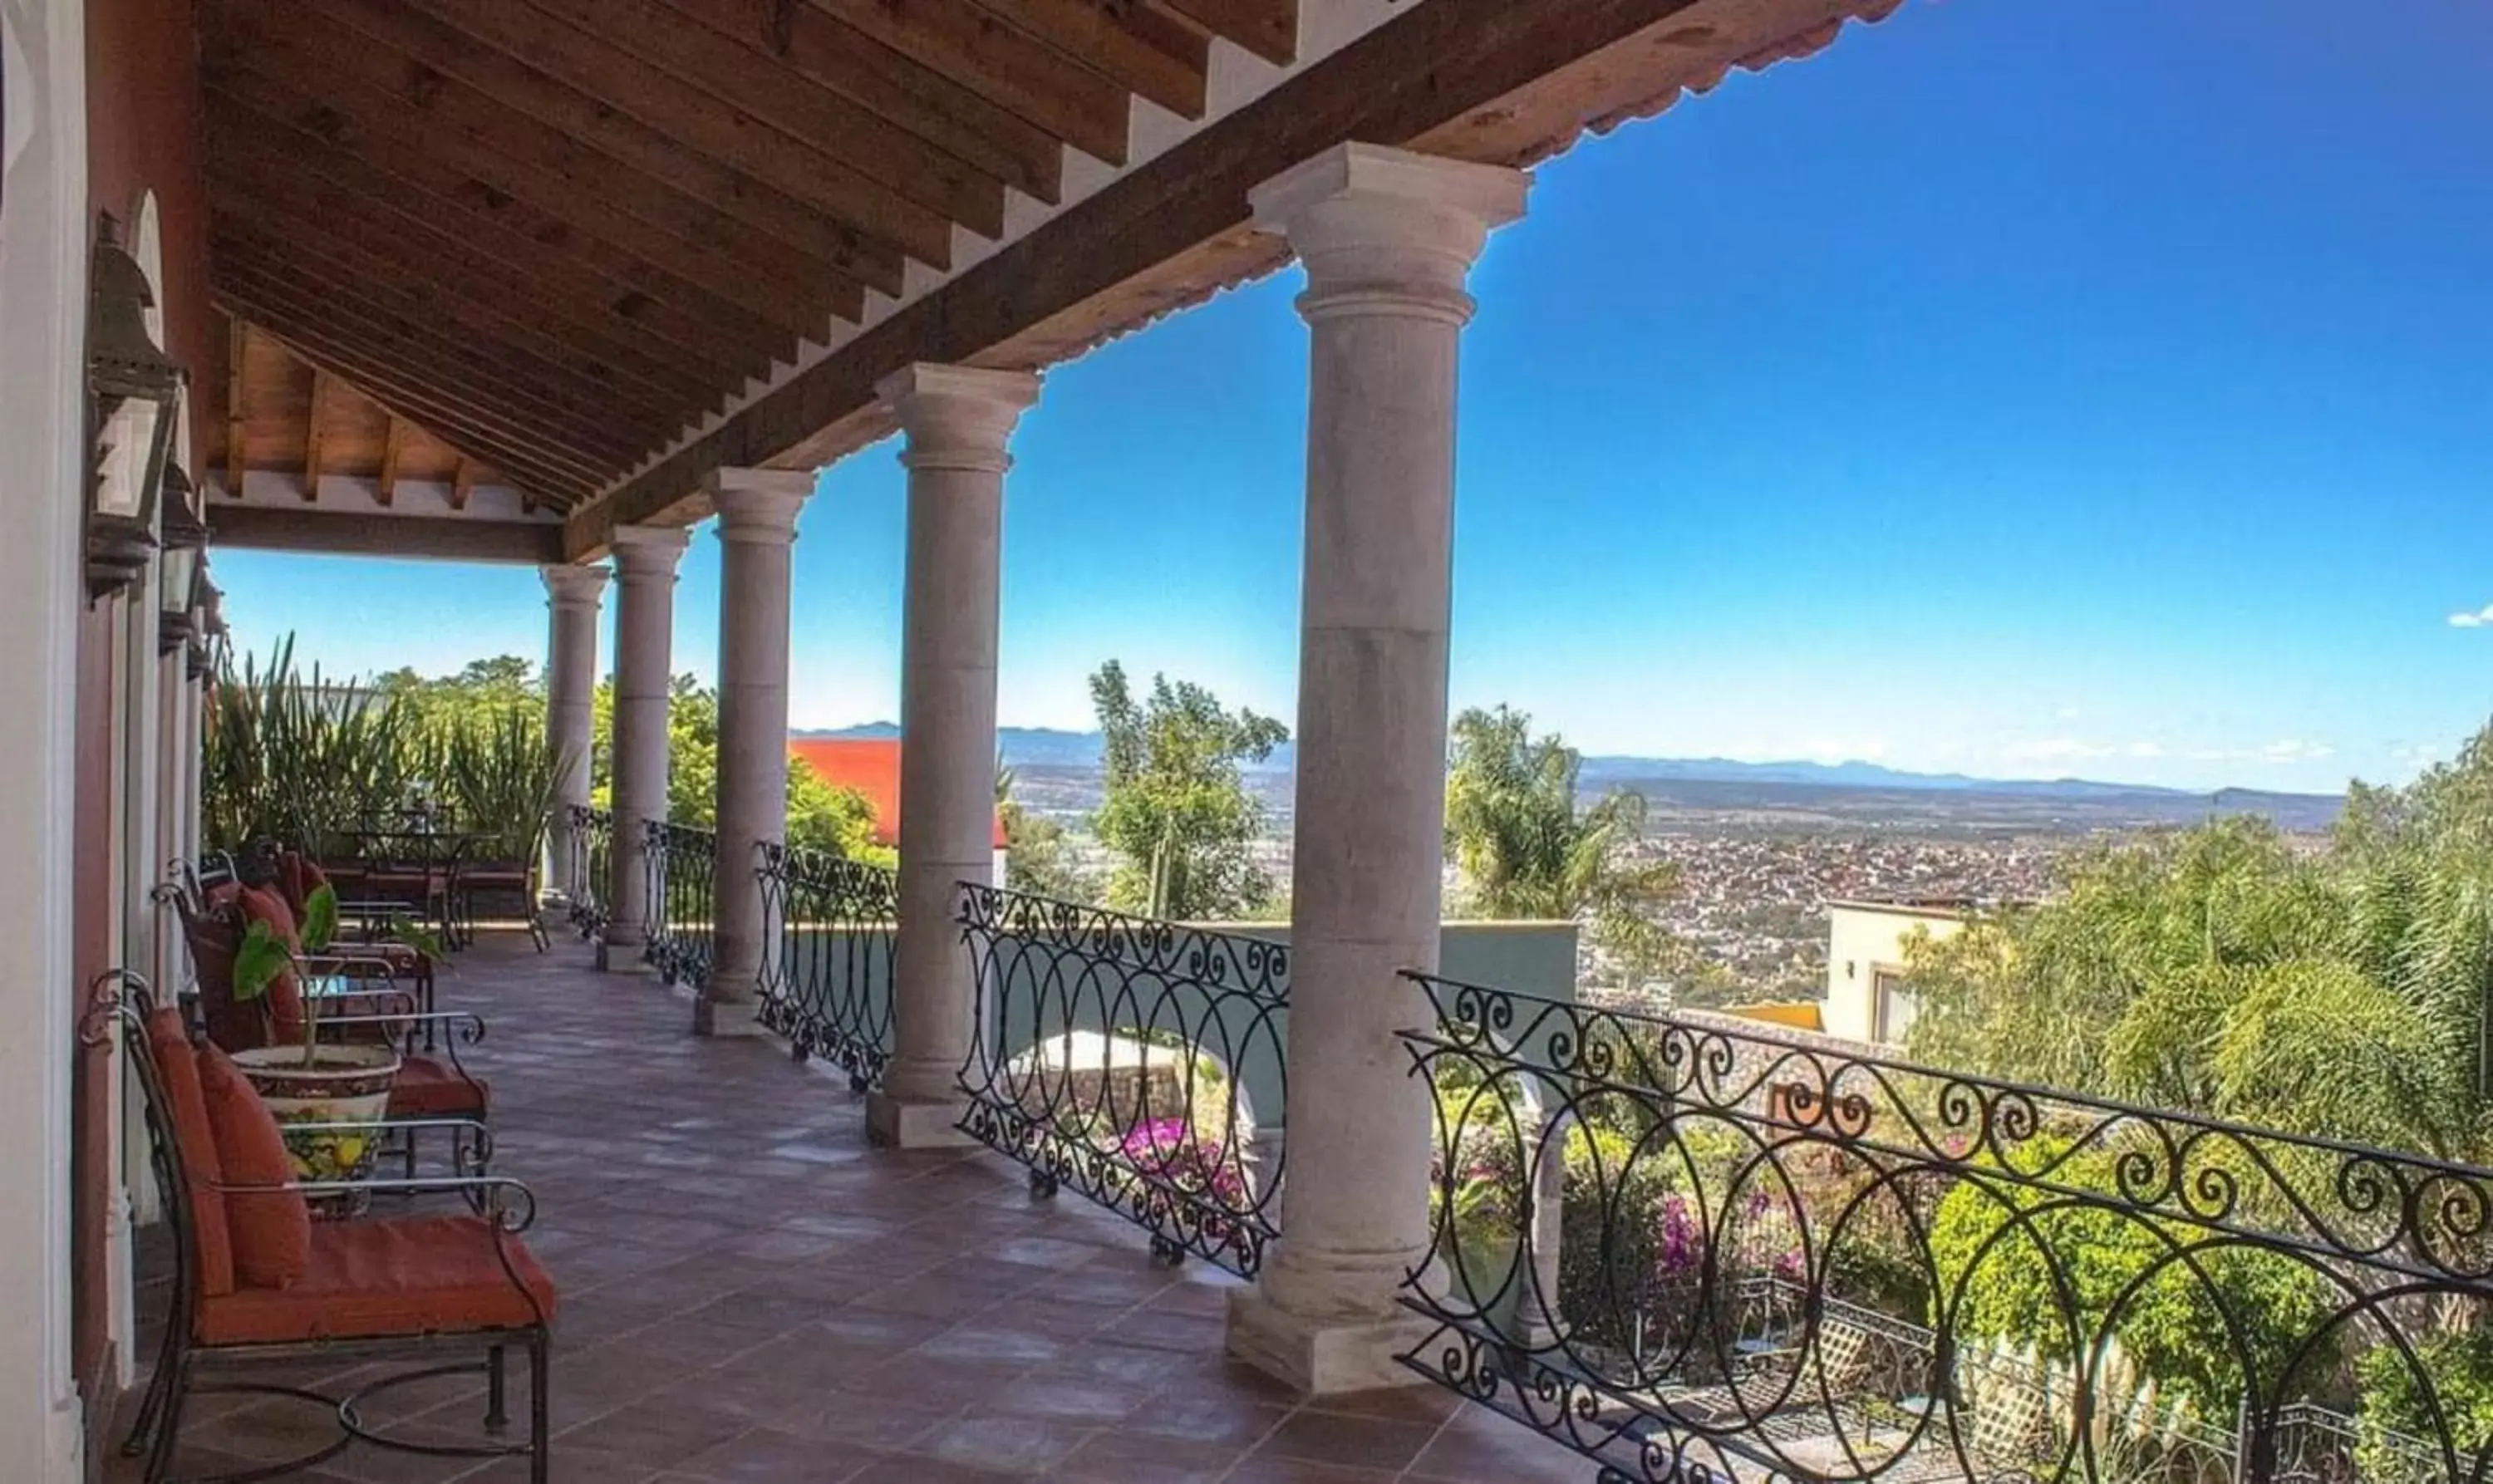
[320,919]
[261,957]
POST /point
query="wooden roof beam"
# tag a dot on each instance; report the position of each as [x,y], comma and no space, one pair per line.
[957,39]
[641,114]
[1268,28]
[485,368]
[537,543]
[237,405]
[255,189]
[912,96]
[516,447]
[598,383]
[393,447]
[360,88]
[405,193]
[315,428]
[777,95]
[1140,51]
[462,482]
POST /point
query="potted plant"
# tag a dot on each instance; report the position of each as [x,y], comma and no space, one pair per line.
[323,1082]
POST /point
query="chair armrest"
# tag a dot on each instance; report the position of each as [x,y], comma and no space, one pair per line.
[509,1203]
[346,965]
[468,1023]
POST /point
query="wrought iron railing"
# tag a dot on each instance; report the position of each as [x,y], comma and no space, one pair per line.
[1691,1247]
[1131,1060]
[679,863]
[826,979]
[586,875]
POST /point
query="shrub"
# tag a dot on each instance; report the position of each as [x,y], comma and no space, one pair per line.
[2171,1322]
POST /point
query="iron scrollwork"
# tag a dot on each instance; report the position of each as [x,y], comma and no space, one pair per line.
[832,927]
[592,863]
[681,863]
[1696,1247]
[1115,1056]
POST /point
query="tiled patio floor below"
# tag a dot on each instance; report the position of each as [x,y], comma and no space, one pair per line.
[751,1293]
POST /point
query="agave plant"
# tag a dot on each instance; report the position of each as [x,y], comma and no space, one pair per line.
[294,757]
[297,757]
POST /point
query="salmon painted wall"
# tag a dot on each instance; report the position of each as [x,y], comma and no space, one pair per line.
[142,136]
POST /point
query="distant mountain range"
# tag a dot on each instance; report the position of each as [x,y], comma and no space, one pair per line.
[1045,747]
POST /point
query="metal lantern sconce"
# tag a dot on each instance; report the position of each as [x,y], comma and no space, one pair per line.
[184,537]
[207,640]
[133,392]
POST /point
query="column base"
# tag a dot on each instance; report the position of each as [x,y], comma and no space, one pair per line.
[726,1018]
[1323,1356]
[897,1124]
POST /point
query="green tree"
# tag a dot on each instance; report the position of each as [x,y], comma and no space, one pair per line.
[1525,845]
[820,814]
[1176,810]
[2228,969]
[1038,855]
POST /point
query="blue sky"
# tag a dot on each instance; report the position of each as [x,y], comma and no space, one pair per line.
[2093,388]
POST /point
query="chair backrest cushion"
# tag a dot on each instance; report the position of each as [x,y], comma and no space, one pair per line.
[262,903]
[298,876]
[194,1144]
[272,1226]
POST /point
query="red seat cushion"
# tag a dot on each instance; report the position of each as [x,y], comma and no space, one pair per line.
[271,1225]
[194,1144]
[427,1087]
[400,1276]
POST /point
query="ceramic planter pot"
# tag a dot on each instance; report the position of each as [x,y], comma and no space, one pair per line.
[348,1085]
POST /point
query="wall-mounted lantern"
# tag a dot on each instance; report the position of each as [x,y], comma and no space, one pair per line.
[184,537]
[132,391]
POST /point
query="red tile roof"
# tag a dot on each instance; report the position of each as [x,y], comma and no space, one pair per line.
[871,766]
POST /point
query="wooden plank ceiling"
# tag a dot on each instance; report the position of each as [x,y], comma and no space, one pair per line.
[557,234]
[289,417]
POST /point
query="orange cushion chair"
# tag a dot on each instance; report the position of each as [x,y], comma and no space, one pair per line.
[401,1284]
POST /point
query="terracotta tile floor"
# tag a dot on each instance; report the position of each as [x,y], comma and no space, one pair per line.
[751,1293]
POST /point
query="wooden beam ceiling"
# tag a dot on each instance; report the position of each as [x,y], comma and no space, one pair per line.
[271,419]
[1488,80]
[565,232]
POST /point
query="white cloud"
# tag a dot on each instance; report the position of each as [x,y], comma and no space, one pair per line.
[2418,754]
[2481,618]
[2144,750]
[2057,749]
[2065,714]
[2286,751]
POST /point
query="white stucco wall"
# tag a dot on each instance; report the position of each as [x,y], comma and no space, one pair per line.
[1865,941]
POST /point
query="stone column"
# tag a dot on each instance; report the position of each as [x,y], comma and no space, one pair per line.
[756,524]
[572,598]
[645,616]
[1388,238]
[958,421]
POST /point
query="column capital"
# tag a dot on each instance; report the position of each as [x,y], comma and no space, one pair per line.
[1388,231]
[574,586]
[759,505]
[643,552]
[957,417]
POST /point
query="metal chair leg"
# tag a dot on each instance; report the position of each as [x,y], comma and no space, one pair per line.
[151,1405]
[496,1380]
[540,1407]
[168,1426]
